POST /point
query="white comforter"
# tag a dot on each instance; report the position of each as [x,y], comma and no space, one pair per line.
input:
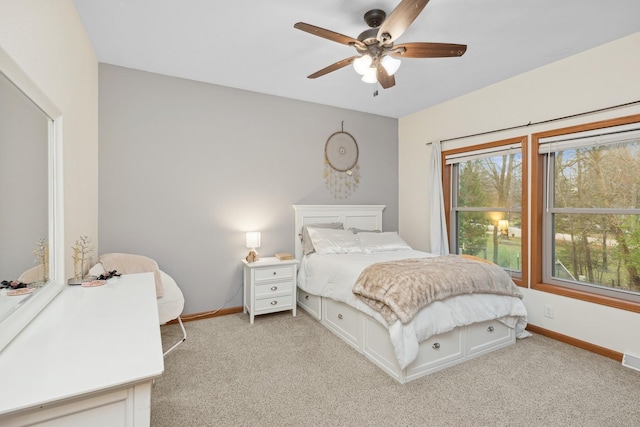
[333,276]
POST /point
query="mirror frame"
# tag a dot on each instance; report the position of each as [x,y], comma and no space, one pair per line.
[15,322]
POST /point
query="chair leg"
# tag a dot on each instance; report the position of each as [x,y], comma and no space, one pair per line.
[184,337]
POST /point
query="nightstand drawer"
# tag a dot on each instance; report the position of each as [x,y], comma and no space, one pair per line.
[276,289]
[274,303]
[272,273]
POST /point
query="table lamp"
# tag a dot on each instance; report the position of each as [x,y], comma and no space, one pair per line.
[252,242]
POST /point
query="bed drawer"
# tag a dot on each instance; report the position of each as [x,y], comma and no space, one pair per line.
[274,289]
[343,320]
[311,303]
[488,335]
[438,352]
[274,273]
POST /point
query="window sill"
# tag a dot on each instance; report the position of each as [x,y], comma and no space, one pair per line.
[589,297]
[519,282]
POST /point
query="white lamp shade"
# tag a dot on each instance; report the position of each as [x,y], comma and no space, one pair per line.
[370,76]
[362,64]
[391,64]
[253,239]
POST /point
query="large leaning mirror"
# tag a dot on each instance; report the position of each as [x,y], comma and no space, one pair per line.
[30,221]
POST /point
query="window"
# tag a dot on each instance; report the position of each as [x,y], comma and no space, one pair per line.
[586,193]
[485,198]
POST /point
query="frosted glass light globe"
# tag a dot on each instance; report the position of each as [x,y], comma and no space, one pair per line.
[362,64]
[391,64]
[370,76]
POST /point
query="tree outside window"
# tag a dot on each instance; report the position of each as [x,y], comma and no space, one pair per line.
[585,228]
[593,222]
[485,203]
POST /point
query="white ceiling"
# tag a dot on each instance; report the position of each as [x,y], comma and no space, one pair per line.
[252,45]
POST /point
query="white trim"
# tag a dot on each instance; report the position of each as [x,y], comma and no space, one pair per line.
[483,153]
[13,324]
[587,139]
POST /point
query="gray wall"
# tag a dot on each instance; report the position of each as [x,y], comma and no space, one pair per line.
[186,168]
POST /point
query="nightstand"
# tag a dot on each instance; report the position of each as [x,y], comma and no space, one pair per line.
[269,286]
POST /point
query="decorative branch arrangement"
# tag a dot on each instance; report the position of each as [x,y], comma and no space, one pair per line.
[41,253]
[81,251]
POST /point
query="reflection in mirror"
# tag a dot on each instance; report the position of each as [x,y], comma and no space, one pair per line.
[24,194]
[29,210]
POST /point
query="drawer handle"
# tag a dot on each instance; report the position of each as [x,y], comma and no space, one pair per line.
[306,297]
[274,302]
[436,345]
[340,316]
[490,329]
[274,288]
[274,273]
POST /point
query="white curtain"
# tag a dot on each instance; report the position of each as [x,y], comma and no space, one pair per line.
[438,224]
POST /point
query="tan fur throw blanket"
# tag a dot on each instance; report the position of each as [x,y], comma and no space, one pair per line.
[131,263]
[399,289]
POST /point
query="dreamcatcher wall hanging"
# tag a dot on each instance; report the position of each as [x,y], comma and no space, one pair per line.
[341,170]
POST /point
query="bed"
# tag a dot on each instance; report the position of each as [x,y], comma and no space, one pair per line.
[442,334]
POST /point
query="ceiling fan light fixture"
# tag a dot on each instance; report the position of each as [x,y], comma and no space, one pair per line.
[362,64]
[370,75]
[378,56]
[391,64]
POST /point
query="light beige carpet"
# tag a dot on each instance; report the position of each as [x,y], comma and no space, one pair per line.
[286,371]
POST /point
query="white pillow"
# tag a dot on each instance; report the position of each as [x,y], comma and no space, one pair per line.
[379,242]
[330,241]
[307,244]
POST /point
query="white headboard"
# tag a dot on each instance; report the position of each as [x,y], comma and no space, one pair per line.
[368,217]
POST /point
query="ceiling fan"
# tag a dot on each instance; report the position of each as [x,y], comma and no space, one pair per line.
[377,54]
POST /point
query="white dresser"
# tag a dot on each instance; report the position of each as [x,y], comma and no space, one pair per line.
[89,359]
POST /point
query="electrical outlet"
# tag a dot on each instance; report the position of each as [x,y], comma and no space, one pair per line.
[548,311]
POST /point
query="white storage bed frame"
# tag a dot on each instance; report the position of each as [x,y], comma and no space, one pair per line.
[371,338]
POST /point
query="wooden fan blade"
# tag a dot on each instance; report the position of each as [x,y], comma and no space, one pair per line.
[428,50]
[332,67]
[326,34]
[399,20]
[385,80]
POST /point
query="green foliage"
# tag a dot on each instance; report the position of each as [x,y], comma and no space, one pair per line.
[472,190]
[600,247]
[472,226]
